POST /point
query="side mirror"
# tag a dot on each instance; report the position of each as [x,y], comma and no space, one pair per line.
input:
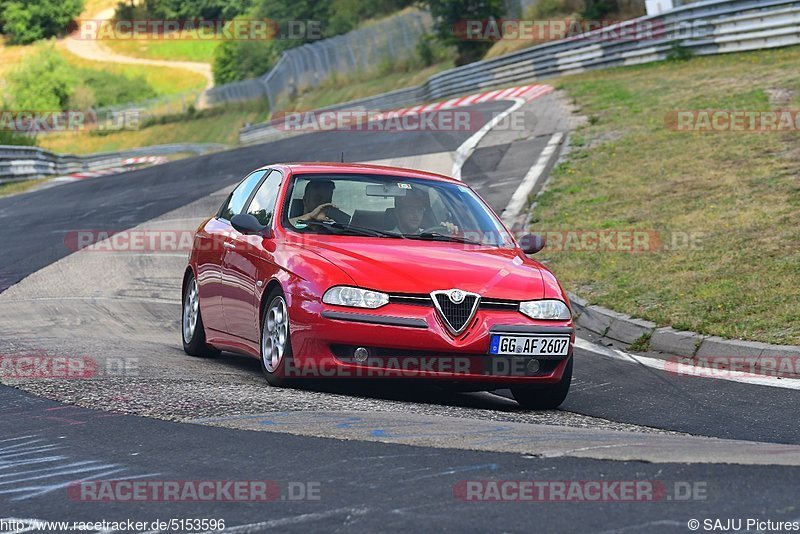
[247,224]
[531,243]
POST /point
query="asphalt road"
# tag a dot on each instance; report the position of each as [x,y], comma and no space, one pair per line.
[383,456]
[361,486]
[32,226]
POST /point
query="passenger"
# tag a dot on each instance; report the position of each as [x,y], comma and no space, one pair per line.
[410,209]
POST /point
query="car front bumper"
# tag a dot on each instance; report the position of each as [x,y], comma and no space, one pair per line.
[411,341]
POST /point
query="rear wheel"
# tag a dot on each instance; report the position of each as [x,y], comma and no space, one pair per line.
[194,334]
[544,396]
[276,346]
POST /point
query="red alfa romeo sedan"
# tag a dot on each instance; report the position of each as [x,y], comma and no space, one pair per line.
[347,271]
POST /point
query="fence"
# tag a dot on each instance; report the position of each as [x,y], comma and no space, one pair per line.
[312,64]
[702,28]
[300,68]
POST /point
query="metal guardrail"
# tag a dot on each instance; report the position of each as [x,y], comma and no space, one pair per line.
[703,28]
[25,163]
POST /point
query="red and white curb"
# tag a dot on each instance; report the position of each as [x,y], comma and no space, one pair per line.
[518,96]
[126,166]
[525,93]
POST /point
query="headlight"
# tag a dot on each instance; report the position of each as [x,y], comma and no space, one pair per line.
[545,309]
[355,297]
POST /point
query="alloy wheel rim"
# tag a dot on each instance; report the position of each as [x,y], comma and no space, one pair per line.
[191,310]
[274,334]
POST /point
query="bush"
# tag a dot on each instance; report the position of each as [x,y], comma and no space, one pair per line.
[585,9]
[46,82]
[678,52]
[598,9]
[109,88]
[347,15]
[27,22]
[239,60]
[11,138]
[43,82]
[182,9]
[550,9]
[425,50]
[448,14]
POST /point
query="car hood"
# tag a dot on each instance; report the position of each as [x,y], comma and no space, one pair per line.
[406,266]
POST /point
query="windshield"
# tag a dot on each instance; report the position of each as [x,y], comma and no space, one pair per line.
[392,207]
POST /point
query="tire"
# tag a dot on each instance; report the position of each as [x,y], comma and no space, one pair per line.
[276,356]
[544,396]
[192,330]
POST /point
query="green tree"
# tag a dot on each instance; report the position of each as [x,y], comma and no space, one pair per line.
[12,138]
[43,82]
[239,60]
[184,9]
[451,14]
[27,21]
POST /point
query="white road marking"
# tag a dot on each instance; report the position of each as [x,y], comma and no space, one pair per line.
[680,369]
[467,147]
[520,197]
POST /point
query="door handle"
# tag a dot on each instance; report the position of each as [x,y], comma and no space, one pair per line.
[227,244]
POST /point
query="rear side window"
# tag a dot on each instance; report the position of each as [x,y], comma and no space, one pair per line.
[262,207]
[237,200]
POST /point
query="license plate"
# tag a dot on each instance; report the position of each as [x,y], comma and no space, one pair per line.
[529,345]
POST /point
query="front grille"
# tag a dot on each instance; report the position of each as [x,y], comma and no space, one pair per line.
[456,315]
[418,300]
[425,300]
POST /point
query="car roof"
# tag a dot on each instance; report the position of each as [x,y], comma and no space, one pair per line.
[358,168]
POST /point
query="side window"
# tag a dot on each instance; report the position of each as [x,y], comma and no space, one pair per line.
[263,204]
[235,203]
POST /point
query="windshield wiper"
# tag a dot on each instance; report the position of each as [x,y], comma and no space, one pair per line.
[356,229]
[437,236]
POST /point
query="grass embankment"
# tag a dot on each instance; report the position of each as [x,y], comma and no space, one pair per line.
[12,55]
[214,126]
[174,49]
[222,125]
[13,188]
[350,88]
[164,80]
[739,191]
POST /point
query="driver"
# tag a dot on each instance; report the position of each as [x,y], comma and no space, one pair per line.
[410,210]
[317,205]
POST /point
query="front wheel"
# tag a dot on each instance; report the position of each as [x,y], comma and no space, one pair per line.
[194,334]
[276,346]
[544,396]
